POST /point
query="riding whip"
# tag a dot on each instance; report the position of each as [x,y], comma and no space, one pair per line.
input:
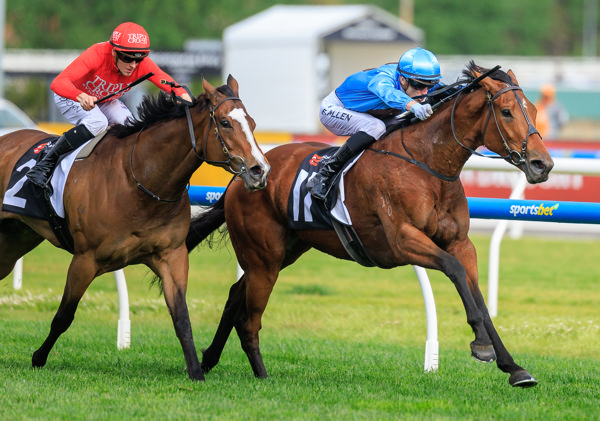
[131,85]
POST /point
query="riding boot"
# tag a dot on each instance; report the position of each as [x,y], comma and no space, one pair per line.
[69,141]
[320,183]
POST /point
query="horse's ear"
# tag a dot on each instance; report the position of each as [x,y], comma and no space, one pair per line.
[233,84]
[487,82]
[210,90]
[513,77]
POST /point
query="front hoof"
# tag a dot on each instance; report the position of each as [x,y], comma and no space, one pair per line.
[196,375]
[522,378]
[205,369]
[38,359]
[207,362]
[483,353]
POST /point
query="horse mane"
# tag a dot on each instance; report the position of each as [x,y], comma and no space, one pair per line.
[496,75]
[158,108]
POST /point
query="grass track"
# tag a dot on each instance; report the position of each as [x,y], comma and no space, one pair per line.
[339,341]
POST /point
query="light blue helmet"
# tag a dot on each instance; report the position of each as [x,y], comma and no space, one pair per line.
[418,63]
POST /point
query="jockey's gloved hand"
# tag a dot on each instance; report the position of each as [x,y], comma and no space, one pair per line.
[422,111]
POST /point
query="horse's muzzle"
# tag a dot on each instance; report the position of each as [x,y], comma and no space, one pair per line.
[255,177]
[537,169]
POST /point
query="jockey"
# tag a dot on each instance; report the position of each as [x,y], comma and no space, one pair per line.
[347,110]
[101,70]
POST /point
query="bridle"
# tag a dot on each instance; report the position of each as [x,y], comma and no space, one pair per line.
[515,157]
[202,157]
[213,121]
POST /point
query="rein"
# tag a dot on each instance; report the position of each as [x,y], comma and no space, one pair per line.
[212,110]
[419,164]
[202,157]
[515,157]
[140,185]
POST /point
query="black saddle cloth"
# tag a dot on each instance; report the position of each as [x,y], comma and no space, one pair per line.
[304,211]
[22,197]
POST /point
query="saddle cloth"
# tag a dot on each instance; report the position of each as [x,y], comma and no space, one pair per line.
[306,213]
[24,198]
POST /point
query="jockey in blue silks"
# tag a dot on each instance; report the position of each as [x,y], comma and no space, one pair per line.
[347,110]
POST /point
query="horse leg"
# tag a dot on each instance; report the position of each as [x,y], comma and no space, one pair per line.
[173,269]
[261,267]
[259,279]
[248,321]
[80,275]
[16,240]
[422,251]
[482,348]
[465,252]
[235,303]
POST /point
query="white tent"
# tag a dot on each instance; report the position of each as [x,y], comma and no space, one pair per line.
[287,58]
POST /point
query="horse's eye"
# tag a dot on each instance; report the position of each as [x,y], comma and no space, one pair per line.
[225,123]
[506,113]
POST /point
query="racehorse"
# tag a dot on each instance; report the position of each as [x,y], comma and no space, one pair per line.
[127,203]
[406,203]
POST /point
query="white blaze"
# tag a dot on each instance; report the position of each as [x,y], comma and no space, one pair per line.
[239,115]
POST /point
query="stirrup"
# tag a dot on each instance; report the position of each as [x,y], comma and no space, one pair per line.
[39,178]
[320,188]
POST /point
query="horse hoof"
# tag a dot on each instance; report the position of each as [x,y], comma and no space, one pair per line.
[483,353]
[197,377]
[38,360]
[207,362]
[205,368]
[522,378]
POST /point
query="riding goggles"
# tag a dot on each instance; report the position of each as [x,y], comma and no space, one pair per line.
[419,85]
[126,58]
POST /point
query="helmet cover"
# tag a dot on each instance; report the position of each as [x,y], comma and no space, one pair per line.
[130,38]
[421,64]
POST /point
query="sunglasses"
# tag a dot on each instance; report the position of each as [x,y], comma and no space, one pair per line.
[419,85]
[129,59]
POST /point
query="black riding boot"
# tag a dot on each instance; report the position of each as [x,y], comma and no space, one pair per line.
[69,141]
[320,183]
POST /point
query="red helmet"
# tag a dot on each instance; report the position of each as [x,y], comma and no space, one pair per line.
[130,37]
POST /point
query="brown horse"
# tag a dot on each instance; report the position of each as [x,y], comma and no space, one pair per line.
[127,203]
[405,213]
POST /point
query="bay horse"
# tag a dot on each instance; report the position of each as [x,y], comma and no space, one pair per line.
[127,203]
[406,203]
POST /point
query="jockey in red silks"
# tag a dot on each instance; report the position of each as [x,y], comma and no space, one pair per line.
[103,69]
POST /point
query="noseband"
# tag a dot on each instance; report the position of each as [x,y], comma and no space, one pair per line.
[213,121]
[515,157]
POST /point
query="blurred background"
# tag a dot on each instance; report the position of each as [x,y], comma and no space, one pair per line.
[287,55]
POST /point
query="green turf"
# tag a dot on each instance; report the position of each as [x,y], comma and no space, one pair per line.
[339,342]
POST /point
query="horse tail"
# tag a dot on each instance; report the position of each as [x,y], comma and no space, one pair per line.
[205,223]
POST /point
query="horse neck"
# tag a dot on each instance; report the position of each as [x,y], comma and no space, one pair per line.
[163,156]
[434,143]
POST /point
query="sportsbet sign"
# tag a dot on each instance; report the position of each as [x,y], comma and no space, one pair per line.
[541,210]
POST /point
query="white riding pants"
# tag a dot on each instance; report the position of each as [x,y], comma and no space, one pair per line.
[344,122]
[98,118]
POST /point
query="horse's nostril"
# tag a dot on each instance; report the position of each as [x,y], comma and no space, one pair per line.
[538,164]
[256,171]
